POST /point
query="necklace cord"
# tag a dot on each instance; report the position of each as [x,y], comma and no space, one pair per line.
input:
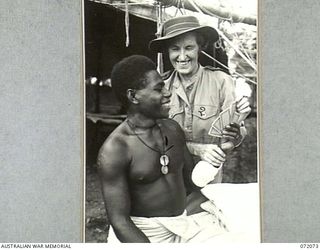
[132,126]
[164,158]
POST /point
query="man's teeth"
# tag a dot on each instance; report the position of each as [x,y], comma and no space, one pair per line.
[166,105]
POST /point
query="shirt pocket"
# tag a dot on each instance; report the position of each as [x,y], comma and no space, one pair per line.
[203,117]
[205,112]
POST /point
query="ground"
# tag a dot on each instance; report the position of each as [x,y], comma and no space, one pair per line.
[240,168]
[96,219]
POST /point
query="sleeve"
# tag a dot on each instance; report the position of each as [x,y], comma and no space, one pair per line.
[227,96]
[227,90]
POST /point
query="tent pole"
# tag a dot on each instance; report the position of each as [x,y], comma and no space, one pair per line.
[158,34]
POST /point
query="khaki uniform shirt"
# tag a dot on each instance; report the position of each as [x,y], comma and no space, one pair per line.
[197,104]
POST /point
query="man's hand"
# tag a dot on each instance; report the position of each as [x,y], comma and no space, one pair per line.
[230,137]
[193,203]
[211,208]
[243,105]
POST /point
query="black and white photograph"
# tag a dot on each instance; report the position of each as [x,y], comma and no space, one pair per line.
[159,121]
[171,131]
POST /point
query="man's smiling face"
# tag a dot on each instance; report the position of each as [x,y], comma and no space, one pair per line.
[153,97]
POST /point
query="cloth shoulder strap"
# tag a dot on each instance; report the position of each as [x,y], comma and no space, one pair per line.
[216,69]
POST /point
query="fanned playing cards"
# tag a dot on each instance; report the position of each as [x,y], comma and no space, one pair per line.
[227,116]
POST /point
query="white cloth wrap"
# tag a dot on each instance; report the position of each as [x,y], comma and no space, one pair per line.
[233,217]
[240,205]
[196,228]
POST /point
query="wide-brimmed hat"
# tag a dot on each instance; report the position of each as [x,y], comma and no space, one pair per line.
[180,25]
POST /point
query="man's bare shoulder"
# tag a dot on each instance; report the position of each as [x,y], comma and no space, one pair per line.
[114,151]
[116,140]
[172,125]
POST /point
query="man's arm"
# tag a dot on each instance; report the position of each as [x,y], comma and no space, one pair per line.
[187,171]
[113,164]
[195,197]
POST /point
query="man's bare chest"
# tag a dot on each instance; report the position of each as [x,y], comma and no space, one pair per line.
[147,161]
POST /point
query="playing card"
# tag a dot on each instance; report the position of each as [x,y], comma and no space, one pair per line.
[232,110]
[217,124]
[236,117]
[214,132]
[225,118]
[242,117]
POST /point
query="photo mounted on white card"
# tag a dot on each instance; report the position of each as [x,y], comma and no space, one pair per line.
[147,101]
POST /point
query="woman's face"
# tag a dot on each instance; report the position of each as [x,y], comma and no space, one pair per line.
[184,53]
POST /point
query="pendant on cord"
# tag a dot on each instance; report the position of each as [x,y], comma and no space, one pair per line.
[164,161]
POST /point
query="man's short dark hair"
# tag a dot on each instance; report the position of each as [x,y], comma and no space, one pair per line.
[130,73]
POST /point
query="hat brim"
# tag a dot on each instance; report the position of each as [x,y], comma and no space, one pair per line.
[159,44]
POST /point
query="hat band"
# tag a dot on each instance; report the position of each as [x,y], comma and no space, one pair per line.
[181,26]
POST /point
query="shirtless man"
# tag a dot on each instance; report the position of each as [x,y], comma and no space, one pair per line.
[144,165]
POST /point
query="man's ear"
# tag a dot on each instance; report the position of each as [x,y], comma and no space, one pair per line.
[131,95]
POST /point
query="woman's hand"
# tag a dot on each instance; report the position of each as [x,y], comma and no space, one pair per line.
[211,153]
[243,105]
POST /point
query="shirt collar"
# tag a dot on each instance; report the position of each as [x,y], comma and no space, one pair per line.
[192,80]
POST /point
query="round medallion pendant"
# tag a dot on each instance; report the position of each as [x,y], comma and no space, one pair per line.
[164,169]
[164,160]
